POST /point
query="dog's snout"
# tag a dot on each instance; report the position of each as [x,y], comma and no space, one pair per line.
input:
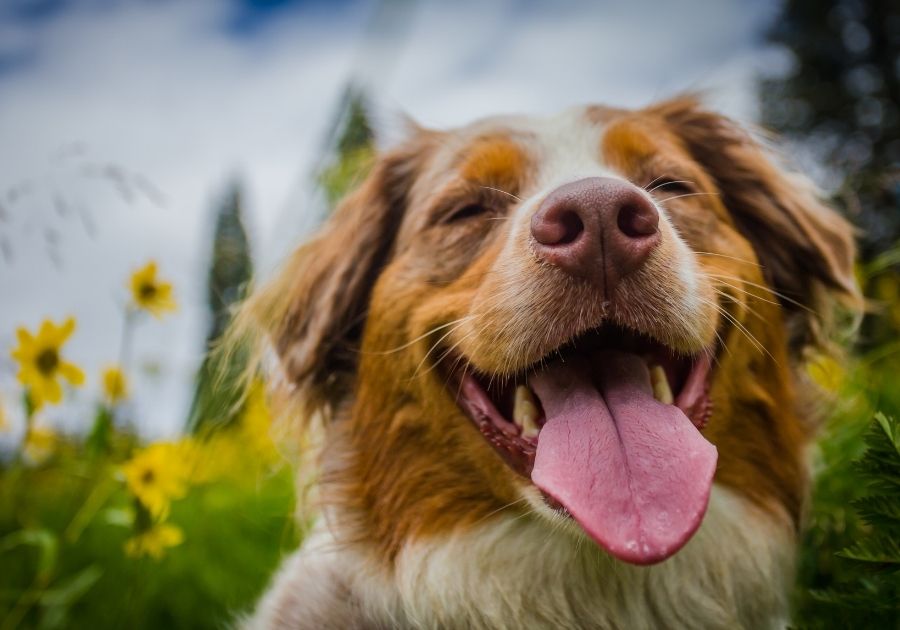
[598,228]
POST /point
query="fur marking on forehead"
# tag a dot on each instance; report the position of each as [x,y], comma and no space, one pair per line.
[495,161]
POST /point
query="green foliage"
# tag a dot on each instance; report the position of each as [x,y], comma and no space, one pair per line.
[357,132]
[869,592]
[880,508]
[63,527]
[354,150]
[851,555]
[217,398]
[344,174]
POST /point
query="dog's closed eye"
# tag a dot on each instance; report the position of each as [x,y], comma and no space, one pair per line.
[468,211]
[672,186]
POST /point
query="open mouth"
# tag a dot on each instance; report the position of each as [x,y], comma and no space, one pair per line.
[607,427]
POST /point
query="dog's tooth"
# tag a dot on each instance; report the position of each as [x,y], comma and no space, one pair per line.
[661,390]
[525,412]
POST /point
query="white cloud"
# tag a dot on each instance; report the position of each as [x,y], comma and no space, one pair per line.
[162,90]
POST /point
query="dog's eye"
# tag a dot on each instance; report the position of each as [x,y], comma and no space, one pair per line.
[670,187]
[467,212]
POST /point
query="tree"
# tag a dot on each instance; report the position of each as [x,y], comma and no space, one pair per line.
[354,149]
[217,398]
[842,101]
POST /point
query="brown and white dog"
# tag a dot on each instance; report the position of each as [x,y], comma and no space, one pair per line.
[555,368]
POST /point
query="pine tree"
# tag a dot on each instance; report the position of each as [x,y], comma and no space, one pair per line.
[842,100]
[353,151]
[217,396]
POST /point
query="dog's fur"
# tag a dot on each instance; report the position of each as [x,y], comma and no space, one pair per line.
[420,523]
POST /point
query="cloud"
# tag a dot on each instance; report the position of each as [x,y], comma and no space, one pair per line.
[174,92]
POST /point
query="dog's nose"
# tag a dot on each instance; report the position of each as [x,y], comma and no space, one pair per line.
[598,228]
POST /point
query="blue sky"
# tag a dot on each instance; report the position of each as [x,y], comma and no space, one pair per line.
[122,120]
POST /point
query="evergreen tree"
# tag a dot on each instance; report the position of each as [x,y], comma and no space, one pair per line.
[217,396]
[353,151]
[842,100]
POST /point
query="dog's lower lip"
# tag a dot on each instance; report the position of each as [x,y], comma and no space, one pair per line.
[503,435]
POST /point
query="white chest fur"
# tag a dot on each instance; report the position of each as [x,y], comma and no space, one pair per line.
[521,572]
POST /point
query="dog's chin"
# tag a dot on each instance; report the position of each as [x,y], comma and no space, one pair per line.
[605,432]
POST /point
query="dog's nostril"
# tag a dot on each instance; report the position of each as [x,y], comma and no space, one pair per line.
[636,221]
[557,227]
[572,227]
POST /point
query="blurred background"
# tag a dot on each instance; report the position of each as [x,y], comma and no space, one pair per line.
[156,155]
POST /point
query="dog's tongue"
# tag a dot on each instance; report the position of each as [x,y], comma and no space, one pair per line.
[635,473]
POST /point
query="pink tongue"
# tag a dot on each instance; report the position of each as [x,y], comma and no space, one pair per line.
[635,473]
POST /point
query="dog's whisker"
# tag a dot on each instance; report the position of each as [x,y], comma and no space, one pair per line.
[743,329]
[777,294]
[744,291]
[434,346]
[739,303]
[503,192]
[650,183]
[445,354]
[422,336]
[693,194]
[670,183]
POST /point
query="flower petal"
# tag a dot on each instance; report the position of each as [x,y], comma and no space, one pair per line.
[47,335]
[52,391]
[66,330]
[71,373]
[25,338]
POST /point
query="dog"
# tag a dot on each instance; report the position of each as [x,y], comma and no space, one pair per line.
[555,371]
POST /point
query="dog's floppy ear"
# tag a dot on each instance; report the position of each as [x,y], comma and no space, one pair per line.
[806,249]
[313,312]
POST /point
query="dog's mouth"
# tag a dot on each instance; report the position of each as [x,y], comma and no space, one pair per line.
[608,428]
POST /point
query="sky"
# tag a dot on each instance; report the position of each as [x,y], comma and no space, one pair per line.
[123,121]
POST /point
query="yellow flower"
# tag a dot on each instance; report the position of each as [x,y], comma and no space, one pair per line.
[827,373]
[153,542]
[115,385]
[150,293]
[40,444]
[158,474]
[238,452]
[41,364]
[256,423]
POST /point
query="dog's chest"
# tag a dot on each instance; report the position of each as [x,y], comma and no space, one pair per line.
[523,573]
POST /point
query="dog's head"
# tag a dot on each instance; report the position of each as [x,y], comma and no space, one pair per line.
[589,317]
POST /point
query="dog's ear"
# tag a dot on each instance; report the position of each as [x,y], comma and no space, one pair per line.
[806,249]
[314,310]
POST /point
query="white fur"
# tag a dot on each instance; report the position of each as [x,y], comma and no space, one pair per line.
[525,572]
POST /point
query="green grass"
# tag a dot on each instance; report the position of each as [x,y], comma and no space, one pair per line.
[234,536]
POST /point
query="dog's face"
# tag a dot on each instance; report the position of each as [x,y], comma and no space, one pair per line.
[590,317]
